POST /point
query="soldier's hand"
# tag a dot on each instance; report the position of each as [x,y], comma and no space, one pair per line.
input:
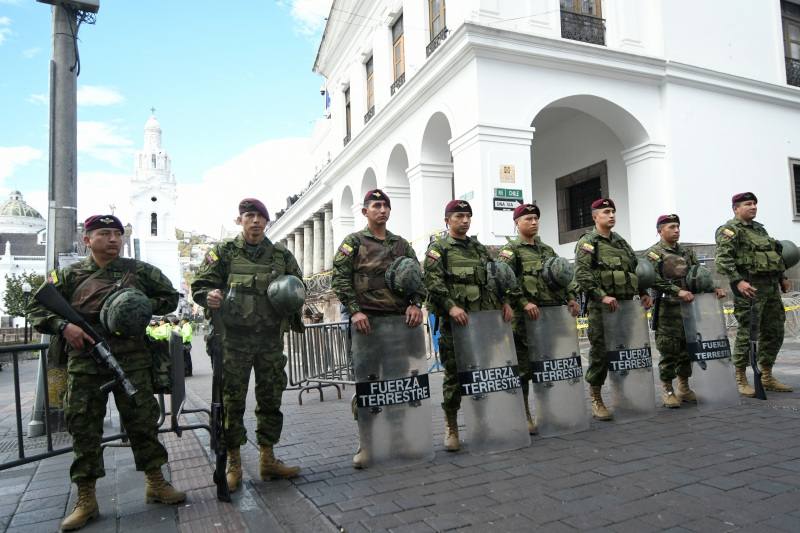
[686,296]
[532,310]
[508,313]
[361,323]
[574,308]
[647,301]
[720,293]
[76,337]
[459,315]
[611,302]
[413,316]
[746,290]
[214,299]
[786,285]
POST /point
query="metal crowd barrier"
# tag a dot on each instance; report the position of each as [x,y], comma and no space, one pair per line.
[318,358]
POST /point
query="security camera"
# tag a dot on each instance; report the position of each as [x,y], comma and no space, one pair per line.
[91,6]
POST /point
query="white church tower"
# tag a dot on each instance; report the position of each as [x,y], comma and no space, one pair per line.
[154,203]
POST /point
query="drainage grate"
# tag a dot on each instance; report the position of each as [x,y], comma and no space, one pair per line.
[60,440]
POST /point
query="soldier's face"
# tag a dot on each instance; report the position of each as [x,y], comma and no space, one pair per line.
[105,243]
[377,212]
[670,232]
[459,223]
[253,225]
[745,210]
[605,218]
[528,225]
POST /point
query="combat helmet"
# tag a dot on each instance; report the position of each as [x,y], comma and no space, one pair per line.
[646,274]
[500,278]
[404,276]
[674,266]
[699,280]
[287,294]
[126,313]
[558,272]
[789,253]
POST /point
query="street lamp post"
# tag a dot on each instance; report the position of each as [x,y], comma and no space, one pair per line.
[26,291]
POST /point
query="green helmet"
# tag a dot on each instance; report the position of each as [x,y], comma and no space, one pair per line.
[126,313]
[558,272]
[287,294]
[674,267]
[404,276]
[500,278]
[699,280]
[789,253]
[646,274]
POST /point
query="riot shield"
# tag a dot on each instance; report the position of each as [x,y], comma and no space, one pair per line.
[392,393]
[707,343]
[488,375]
[630,361]
[559,398]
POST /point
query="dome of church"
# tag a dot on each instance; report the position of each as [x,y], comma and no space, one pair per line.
[15,206]
[18,217]
[152,124]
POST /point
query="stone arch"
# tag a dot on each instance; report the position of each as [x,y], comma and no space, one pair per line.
[343,223]
[399,190]
[436,140]
[368,182]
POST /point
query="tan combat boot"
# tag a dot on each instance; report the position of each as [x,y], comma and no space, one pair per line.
[599,411]
[158,489]
[451,442]
[684,392]
[532,429]
[85,507]
[770,382]
[361,458]
[234,471]
[271,467]
[668,396]
[741,382]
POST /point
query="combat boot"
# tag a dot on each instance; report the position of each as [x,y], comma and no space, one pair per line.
[668,396]
[770,382]
[158,489]
[451,442]
[741,383]
[85,507]
[532,429]
[361,458]
[234,472]
[684,392]
[271,467]
[599,411]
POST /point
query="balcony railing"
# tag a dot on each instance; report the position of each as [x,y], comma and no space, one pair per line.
[346,139]
[793,71]
[369,114]
[401,79]
[583,28]
[434,44]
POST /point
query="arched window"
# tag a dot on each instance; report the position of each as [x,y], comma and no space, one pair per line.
[154,224]
[153,158]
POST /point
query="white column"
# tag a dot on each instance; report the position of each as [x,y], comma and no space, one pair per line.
[298,250]
[342,226]
[400,219]
[647,186]
[327,262]
[308,248]
[318,242]
[290,243]
[431,188]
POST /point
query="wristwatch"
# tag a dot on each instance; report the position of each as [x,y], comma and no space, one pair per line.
[62,327]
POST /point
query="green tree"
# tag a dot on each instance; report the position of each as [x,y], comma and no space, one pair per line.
[14,298]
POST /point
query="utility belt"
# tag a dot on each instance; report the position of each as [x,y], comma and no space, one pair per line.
[765,279]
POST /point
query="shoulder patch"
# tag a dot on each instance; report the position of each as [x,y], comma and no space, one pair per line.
[729,232]
[433,254]
[587,247]
[212,257]
[654,256]
[53,278]
[345,249]
[506,253]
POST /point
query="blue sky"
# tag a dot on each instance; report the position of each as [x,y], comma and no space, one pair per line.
[222,82]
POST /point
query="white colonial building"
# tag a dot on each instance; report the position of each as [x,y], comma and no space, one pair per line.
[663,105]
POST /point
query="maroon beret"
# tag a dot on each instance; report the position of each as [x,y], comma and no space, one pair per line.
[667,219]
[376,195]
[251,204]
[457,206]
[102,221]
[526,209]
[743,197]
[602,203]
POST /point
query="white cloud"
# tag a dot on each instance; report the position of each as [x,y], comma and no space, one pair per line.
[101,141]
[12,157]
[309,15]
[28,53]
[98,191]
[93,95]
[38,99]
[270,171]
[5,28]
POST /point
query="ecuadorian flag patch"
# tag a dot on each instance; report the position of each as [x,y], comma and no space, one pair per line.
[212,257]
[53,278]
[345,249]
[587,247]
[654,256]
[506,254]
[433,254]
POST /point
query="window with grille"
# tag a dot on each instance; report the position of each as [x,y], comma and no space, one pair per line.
[154,224]
[347,122]
[575,193]
[592,8]
[436,17]
[398,53]
[794,170]
[370,84]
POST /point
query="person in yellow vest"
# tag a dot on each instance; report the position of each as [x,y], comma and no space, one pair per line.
[187,332]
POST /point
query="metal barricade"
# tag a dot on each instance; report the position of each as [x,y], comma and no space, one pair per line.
[319,357]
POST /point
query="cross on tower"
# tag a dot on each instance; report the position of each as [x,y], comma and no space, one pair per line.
[152,110]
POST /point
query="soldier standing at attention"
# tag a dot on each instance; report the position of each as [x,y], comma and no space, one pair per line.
[526,255]
[243,268]
[605,270]
[671,262]
[86,285]
[751,260]
[456,280]
[359,272]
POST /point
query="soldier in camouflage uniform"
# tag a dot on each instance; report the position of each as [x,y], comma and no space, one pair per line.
[359,269]
[456,280]
[243,268]
[751,260]
[671,262]
[526,255]
[605,270]
[86,284]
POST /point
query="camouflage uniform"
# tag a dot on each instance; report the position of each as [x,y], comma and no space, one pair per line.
[747,252]
[604,266]
[86,404]
[527,261]
[455,275]
[670,335]
[253,337]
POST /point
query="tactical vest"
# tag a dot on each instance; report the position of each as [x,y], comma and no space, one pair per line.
[531,269]
[246,304]
[369,280]
[465,273]
[616,268]
[757,253]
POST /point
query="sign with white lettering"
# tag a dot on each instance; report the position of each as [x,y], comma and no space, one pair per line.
[630,359]
[485,380]
[504,204]
[393,391]
[711,349]
[549,370]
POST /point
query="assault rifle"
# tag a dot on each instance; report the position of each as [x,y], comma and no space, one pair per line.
[52,300]
[753,352]
[218,410]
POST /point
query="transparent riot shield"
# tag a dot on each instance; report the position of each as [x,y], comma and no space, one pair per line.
[630,361]
[488,374]
[392,393]
[707,343]
[559,398]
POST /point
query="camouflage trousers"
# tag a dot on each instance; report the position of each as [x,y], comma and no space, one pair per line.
[771,318]
[84,412]
[267,361]
[451,389]
[523,358]
[671,343]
